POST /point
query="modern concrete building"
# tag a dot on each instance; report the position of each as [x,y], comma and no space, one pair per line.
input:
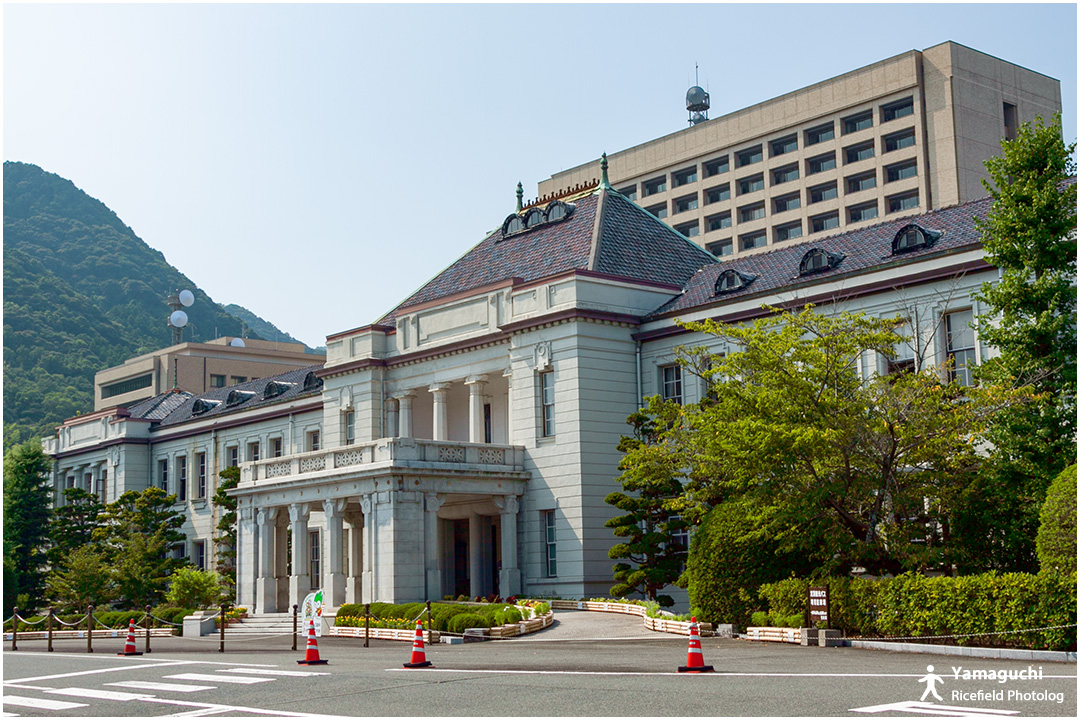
[897,138]
[195,368]
[464,442]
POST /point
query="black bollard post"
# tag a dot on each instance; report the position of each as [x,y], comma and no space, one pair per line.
[14,628]
[48,627]
[223,610]
[367,623]
[90,629]
[295,608]
[148,620]
[429,616]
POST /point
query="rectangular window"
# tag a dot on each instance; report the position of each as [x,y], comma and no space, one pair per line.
[718,222]
[550,568]
[904,201]
[864,181]
[312,440]
[200,466]
[862,151]
[751,184]
[487,423]
[818,134]
[821,163]
[749,156]
[897,110]
[720,248]
[686,203]
[684,177]
[234,456]
[821,193]
[253,452]
[1009,111]
[717,166]
[656,185]
[860,121]
[163,475]
[237,379]
[181,478]
[126,386]
[276,447]
[315,564]
[749,241]
[787,232]
[671,383]
[785,174]
[629,192]
[198,554]
[899,141]
[547,404]
[901,171]
[825,222]
[659,211]
[785,203]
[960,345]
[718,194]
[217,381]
[350,427]
[748,213]
[784,145]
[859,213]
[690,229]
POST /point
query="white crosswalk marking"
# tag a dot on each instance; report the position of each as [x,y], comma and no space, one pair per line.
[239,680]
[263,671]
[164,687]
[40,704]
[99,694]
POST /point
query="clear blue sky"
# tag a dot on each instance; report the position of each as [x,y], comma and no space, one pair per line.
[316,164]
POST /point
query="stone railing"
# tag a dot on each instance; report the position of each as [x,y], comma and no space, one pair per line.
[660,624]
[392,451]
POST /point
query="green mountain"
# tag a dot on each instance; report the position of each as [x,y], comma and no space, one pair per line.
[82,292]
[264,328]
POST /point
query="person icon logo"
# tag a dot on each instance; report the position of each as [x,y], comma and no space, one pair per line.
[931,681]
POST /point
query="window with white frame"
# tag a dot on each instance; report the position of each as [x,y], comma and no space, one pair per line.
[671,383]
[960,345]
[253,451]
[234,456]
[163,475]
[547,404]
[181,478]
[315,560]
[200,464]
[903,359]
[276,447]
[350,427]
[311,441]
[550,568]
[198,554]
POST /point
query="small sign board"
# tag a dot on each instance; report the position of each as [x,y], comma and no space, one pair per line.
[312,610]
[817,602]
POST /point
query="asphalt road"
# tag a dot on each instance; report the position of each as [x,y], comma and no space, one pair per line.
[588,664]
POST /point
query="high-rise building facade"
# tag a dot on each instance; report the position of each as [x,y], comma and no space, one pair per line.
[900,137]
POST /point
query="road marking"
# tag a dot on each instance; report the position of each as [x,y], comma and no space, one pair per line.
[96,672]
[40,704]
[632,672]
[264,671]
[212,708]
[98,694]
[166,687]
[925,708]
[219,678]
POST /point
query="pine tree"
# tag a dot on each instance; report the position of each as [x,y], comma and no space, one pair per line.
[226,538]
[27,500]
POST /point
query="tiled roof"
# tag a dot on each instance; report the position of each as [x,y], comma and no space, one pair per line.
[159,406]
[633,244]
[295,378]
[864,249]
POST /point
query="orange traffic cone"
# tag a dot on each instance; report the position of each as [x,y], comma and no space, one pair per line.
[129,646]
[694,661]
[418,659]
[311,653]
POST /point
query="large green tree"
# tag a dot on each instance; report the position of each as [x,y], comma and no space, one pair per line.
[73,523]
[650,528]
[27,509]
[82,578]
[225,540]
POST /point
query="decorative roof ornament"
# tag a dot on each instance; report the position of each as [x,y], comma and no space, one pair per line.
[604,184]
[520,195]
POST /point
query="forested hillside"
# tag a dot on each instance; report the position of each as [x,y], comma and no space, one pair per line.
[81,292]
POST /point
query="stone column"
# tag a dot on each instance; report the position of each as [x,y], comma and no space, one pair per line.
[367,581]
[353,590]
[246,572]
[438,419]
[476,385]
[333,578]
[404,402]
[509,576]
[266,584]
[432,554]
[281,561]
[392,428]
[299,581]
[476,541]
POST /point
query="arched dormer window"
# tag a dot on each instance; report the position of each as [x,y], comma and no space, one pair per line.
[275,388]
[557,210]
[238,397]
[311,382]
[202,406]
[731,280]
[513,224]
[534,217]
[913,237]
[817,260]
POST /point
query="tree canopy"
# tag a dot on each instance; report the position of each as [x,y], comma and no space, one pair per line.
[27,509]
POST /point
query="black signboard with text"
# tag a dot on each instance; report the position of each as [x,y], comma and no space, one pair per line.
[817,602]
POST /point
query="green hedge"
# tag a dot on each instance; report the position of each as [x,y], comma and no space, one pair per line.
[912,605]
[443,615]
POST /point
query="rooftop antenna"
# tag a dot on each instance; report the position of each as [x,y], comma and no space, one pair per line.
[178,318]
[697,102]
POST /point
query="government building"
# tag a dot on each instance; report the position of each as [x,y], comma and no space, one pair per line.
[463,443]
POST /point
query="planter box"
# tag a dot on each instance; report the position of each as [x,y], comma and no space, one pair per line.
[200,623]
[775,634]
[75,634]
[430,636]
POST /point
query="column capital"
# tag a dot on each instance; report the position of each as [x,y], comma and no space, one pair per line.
[299,512]
[405,395]
[475,382]
[434,501]
[506,503]
[333,508]
[365,504]
[438,387]
[267,515]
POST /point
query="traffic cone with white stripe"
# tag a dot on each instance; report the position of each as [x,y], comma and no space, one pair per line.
[129,646]
[418,659]
[695,663]
[311,652]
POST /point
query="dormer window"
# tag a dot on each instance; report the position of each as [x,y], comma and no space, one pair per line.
[238,397]
[913,237]
[557,210]
[731,280]
[533,218]
[275,388]
[817,260]
[311,382]
[513,224]
[202,406]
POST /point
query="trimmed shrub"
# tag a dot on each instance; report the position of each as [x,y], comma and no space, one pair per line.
[1056,541]
[462,622]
